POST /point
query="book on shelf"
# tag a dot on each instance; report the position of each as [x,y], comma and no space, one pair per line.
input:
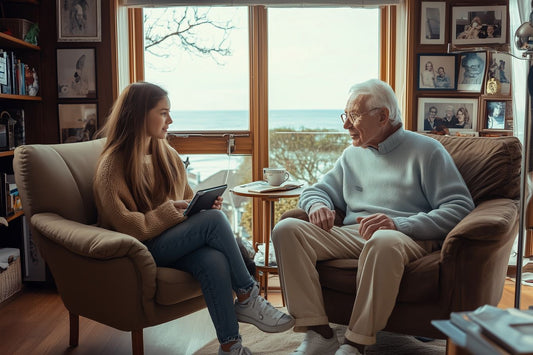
[263,186]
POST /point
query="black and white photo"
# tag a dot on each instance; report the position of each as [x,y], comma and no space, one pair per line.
[432,22]
[79,21]
[471,71]
[76,73]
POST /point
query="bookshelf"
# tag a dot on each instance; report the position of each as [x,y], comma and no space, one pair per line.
[30,107]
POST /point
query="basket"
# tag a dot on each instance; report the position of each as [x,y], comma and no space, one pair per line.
[18,27]
[10,280]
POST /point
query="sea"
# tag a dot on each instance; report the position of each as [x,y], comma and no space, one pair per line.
[206,165]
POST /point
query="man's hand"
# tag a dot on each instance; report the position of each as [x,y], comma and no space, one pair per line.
[322,216]
[372,223]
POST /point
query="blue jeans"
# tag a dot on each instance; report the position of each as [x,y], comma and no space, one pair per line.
[204,245]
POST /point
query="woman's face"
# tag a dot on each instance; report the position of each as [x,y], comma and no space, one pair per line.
[158,119]
[429,66]
[497,110]
[460,116]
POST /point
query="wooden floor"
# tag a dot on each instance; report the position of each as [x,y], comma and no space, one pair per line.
[36,322]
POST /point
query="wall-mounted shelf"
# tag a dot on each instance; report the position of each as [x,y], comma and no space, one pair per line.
[7,153]
[19,97]
[13,42]
[14,216]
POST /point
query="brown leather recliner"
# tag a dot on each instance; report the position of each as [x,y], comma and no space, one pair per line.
[470,269]
[100,274]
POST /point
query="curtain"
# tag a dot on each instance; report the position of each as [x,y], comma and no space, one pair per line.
[271,3]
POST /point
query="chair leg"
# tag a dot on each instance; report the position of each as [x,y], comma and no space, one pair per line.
[137,343]
[74,329]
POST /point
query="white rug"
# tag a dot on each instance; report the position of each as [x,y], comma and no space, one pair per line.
[284,343]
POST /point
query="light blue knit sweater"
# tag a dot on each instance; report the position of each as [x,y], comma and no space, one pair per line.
[410,178]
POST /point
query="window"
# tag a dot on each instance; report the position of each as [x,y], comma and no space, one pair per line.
[219,96]
[314,56]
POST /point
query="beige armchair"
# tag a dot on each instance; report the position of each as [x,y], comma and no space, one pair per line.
[100,274]
[470,269]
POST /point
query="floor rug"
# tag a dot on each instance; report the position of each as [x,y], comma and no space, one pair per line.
[284,343]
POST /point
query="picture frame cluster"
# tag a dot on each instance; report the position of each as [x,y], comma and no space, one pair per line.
[77,21]
[467,90]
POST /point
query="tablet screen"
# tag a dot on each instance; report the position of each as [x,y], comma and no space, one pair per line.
[203,199]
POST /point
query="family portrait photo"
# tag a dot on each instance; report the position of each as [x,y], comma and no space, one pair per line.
[471,71]
[479,24]
[78,20]
[436,71]
[447,114]
[433,23]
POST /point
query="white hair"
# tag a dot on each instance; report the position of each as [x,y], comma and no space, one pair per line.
[380,95]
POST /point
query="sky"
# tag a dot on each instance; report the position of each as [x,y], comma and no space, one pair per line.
[315,55]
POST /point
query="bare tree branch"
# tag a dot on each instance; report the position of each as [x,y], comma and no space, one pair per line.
[189,29]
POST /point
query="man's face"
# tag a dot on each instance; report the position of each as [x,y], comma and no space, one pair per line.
[441,72]
[449,114]
[473,68]
[366,130]
[432,113]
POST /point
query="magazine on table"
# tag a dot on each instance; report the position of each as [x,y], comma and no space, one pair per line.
[263,186]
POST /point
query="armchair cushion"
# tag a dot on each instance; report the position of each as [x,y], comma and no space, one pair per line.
[490,167]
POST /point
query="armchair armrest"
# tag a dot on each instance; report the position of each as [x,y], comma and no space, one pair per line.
[476,252]
[89,261]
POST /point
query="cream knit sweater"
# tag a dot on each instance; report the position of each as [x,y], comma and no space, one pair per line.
[118,211]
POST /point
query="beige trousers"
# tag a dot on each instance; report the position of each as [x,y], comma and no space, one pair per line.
[299,245]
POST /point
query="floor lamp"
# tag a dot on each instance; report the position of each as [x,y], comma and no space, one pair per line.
[524,42]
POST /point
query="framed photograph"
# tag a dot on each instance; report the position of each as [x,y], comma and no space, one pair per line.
[447,114]
[76,73]
[499,74]
[497,114]
[77,122]
[479,25]
[471,71]
[79,21]
[432,22]
[436,71]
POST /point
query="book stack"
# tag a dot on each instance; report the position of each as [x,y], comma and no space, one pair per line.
[9,196]
[16,77]
[491,330]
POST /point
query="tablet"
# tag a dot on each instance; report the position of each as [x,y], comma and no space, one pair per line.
[203,200]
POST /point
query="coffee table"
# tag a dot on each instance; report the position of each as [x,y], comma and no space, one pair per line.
[268,200]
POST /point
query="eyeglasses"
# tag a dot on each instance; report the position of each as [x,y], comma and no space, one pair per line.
[354,116]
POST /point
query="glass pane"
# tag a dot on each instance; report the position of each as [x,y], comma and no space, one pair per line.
[200,55]
[208,170]
[315,55]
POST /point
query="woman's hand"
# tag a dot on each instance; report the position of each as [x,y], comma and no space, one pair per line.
[217,205]
[181,205]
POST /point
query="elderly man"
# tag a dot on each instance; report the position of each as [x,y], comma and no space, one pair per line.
[401,193]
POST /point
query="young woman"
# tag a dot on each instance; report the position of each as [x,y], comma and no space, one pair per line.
[141,189]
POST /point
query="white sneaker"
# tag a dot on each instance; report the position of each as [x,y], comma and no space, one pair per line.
[316,344]
[347,349]
[236,349]
[259,312]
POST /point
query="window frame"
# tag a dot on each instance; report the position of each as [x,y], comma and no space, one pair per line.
[255,141]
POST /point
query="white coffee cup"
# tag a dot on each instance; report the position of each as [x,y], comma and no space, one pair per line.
[275,176]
